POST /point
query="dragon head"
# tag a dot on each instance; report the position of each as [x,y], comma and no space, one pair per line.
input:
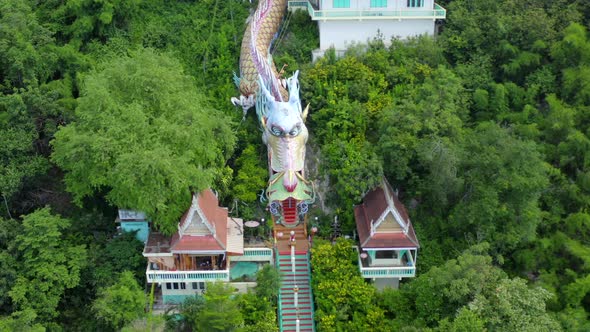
[285,132]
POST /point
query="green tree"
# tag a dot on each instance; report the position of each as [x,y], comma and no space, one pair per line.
[84,20]
[339,308]
[19,162]
[250,180]
[8,263]
[268,283]
[259,313]
[144,136]
[267,322]
[469,293]
[440,292]
[503,178]
[259,307]
[123,253]
[220,311]
[465,321]
[48,264]
[190,310]
[25,55]
[120,303]
[513,306]
[428,112]
[21,321]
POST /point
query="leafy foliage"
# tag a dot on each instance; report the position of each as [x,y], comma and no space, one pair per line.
[113,145]
[484,131]
[469,293]
[120,303]
[349,308]
[219,312]
[48,265]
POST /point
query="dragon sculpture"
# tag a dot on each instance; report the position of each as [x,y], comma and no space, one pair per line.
[280,114]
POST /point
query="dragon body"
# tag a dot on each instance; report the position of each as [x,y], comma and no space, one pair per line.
[255,59]
[280,114]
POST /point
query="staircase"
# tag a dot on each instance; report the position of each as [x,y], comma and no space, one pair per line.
[290,211]
[289,279]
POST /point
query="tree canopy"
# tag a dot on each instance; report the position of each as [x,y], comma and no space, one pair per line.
[145,136]
[482,130]
[121,303]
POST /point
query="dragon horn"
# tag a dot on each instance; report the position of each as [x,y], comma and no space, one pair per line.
[267,94]
[293,83]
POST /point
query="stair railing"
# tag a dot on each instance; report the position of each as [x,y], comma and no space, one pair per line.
[292,258]
[279,305]
[311,291]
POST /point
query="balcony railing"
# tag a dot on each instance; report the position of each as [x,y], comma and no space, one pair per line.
[186,276]
[370,14]
[388,272]
[254,255]
[385,271]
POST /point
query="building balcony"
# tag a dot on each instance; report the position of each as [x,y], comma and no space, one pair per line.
[254,255]
[437,12]
[161,276]
[400,266]
[388,272]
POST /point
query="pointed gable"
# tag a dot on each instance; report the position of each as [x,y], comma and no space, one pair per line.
[203,227]
[382,220]
[194,221]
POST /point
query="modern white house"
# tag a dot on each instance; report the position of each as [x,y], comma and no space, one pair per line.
[343,23]
[388,246]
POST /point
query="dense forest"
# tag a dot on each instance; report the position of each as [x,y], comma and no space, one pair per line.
[484,130]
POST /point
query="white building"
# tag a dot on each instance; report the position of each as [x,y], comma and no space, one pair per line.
[343,23]
[208,247]
[388,246]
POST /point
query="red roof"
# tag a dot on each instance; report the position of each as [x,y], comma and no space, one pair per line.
[375,203]
[196,243]
[216,216]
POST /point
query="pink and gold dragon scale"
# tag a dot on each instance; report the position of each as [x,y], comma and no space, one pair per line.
[280,114]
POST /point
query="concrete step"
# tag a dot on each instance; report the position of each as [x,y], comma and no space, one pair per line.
[302,310]
[291,298]
[288,275]
[289,264]
[288,261]
[292,317]
[302,321]
[303,288]
[307,320]
[298,255]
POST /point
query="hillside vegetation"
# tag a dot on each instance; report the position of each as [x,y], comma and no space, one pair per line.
[484,130]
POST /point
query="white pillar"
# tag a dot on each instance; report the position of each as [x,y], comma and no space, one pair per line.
[292,258]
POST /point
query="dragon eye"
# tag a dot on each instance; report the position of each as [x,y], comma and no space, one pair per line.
[295,131]
[276,131]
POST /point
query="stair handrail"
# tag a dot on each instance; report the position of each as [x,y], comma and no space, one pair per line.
[279,305]
[292,258]
[311,290]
